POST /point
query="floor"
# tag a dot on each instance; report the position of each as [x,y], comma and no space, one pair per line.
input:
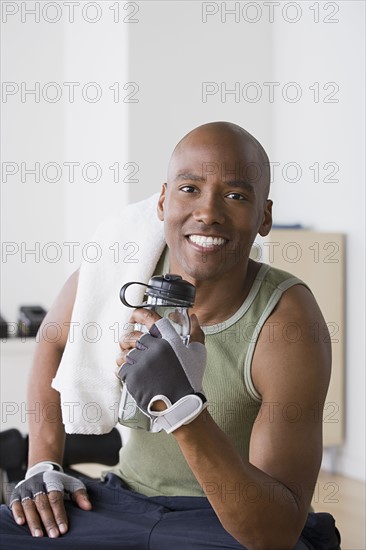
[343,497]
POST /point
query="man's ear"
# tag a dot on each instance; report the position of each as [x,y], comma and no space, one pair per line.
[267,219]
[161,202]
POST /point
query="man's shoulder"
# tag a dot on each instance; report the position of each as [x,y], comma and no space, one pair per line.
[278,278]
[295,315]
[293,308]
[288,341]
[272,285]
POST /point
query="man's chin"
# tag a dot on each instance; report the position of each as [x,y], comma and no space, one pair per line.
[199,266]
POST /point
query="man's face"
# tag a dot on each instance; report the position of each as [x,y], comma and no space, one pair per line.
[213,206]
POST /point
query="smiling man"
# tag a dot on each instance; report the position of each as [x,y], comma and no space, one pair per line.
[241,472]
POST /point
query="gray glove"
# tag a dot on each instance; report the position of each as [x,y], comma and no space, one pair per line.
[162,368]
[43,478]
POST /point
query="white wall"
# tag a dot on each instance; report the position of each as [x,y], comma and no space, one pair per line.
[72,129]
[32,212]
[172,53]
[96,132]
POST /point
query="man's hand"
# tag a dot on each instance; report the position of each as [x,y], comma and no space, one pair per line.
[38,499]
[162,374]
[140,316]
[147,317]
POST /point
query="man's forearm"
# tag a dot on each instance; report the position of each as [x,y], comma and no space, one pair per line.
[46,430]
[257,510]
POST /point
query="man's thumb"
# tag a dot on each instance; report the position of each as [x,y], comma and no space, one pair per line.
[82,500]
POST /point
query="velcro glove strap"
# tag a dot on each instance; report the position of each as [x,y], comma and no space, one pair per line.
[162,367]
[44,482]
[182,412]
[45,466]
[129,414]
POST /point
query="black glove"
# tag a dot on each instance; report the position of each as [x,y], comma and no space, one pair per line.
[162,368]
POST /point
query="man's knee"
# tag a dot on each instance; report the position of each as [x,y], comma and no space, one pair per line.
[320,533]
[8,525]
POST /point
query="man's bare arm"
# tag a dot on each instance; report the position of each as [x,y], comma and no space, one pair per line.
[263,503]
[46,433]
[46,430]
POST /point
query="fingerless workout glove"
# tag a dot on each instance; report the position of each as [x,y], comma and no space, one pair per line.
[162,368]
[43,478]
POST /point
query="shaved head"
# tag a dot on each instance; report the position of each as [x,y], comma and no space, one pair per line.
[251,160]
[218,183]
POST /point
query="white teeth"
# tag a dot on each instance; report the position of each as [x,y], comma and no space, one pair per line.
[206,241]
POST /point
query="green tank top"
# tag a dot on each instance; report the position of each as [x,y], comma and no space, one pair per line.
[152,463]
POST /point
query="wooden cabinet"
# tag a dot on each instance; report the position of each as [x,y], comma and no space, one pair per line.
[317,259]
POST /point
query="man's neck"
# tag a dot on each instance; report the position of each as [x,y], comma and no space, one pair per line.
[217,301]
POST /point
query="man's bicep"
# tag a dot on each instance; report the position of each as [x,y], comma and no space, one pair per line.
[288,448]
[292,375]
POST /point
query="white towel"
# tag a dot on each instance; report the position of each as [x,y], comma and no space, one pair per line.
[90,391]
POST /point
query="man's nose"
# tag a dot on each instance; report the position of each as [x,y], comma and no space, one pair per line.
[209,210]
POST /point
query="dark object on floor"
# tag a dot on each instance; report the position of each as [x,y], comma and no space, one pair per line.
[30,319]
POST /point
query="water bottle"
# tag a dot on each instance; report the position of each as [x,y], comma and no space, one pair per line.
[171,297]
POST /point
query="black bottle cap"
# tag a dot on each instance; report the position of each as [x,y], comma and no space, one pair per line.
[172,287]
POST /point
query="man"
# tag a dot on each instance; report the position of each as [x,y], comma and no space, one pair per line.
[242,472]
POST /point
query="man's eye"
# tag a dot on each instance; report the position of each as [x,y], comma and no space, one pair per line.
[236,196]
[188,189]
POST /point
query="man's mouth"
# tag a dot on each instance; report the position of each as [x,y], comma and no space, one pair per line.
[206,241]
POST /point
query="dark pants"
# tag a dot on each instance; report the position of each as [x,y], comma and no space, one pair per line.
[130,521]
